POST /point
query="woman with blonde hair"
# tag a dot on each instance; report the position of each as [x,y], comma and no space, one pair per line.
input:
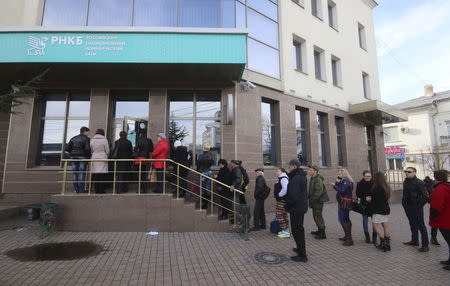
[344,188]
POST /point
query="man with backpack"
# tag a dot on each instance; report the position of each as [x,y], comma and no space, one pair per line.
[244,183]
[316,200]
[261,193]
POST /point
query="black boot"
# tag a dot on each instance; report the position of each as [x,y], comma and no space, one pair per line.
[348,235]
[434,241]
[366,234]
[374,238]
[321,234]
[382,244]
[387,241]
[345,236]
[315,232]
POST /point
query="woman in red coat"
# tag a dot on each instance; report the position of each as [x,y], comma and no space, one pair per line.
[161,151]
[440,209]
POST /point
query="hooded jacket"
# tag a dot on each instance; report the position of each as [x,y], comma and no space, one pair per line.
[316,190]
[414,193]
[297,194]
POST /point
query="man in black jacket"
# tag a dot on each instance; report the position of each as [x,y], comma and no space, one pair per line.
[224,176]
[415,196]
[297,206]
[259,216]
[79,147]
[180,155]
[123,149]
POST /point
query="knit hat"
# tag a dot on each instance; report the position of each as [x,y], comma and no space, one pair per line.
[162,135]
[315,167]
[177,144]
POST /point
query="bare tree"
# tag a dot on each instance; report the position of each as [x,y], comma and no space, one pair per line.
[436,159]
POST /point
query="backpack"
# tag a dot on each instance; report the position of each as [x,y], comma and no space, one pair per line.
[245,180]
[324,198]
[266,192]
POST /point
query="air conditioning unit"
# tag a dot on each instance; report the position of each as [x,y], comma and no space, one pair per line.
[410,159]
[404,129]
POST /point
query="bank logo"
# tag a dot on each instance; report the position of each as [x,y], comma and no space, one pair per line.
[36,46]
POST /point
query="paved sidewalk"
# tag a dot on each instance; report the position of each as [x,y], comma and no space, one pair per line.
[225,258]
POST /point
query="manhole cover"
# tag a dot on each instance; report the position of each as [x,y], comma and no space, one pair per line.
[55,251]
[269,258]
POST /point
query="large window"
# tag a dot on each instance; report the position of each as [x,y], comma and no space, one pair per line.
[366,85]
[269,134]
[130,110]
[302,130]
[340,139]
[194,119]
[336,71]
[159,13]
[322,130]
[63,114]
[319,63]
[299,53]
[390,134]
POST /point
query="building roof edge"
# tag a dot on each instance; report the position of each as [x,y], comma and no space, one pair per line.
[372,3]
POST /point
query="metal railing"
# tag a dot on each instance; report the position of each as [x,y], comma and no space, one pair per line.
[171,175]
[395,178]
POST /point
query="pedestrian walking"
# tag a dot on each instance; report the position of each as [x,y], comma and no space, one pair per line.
[316,192]
[123,149]
[415,196]
[142,151]
[297,206]
[279,192]
[344,188]
[379,204]
[79,148]
[161,151]
[226,197]
[181,156]
[261,193]
[100,150]
[440,209]
[364,193]
[429,184]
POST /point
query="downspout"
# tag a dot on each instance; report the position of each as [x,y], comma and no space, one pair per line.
[435,111]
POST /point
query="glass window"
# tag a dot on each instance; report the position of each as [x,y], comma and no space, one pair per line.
[390,134]
[194,119]
[301,126]
[58,127]
[199,13]
[316,8]
[268,134]
[227,16]
[319,63]
[109,13]
[321,136]
[366,85]
[362,36]
[340,136]
[262,28]
[263,59]
[65,13]
[336,71]
[332,14]
[265,7]
[155,13]
[241,19]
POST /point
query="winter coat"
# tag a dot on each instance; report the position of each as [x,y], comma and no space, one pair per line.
[245,178]
[260,188]
[143,149]
[440,206]
[236,178]
[205,161]
[79,146]
[297,193]
[224,176]
[414,193]
[363,190]
[161,152]
[100,150]
[181,156]
[316,190]
[344,194]
[380,203]
[123,149]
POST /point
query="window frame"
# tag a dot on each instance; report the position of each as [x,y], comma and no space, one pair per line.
[303,114]
[299,53]
[387,133]
[336,71]
[366,85]
[341,141]
[324,143]
[274,128]
[332,15]
[317,12]
[362,36]
[321,68]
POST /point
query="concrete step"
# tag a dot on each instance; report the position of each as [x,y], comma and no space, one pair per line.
[8,211]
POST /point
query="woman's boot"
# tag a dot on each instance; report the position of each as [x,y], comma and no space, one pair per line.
[348,235]
[366,234]
[387,241]
[382,244]
[374,238]
[345,232]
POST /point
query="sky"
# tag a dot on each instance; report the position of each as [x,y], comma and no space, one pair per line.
[413,44]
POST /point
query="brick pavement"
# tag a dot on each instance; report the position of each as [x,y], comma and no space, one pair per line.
[224,259]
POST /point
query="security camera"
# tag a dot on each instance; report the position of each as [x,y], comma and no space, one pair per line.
[250,84]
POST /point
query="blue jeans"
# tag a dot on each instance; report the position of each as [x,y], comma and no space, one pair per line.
[159,179]
[344,216]
[416,223]
[366,223]
[79,173]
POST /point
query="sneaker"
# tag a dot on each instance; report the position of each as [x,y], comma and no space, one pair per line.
[284,234]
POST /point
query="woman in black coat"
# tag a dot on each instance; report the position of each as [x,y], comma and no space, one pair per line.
[224,176]
[123,149]
[181,156]
[364,191]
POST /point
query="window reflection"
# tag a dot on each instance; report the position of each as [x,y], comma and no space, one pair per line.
[183,131]
[156,13]
[268,133]
[109,13]
[199,13]
[265,7]
[129,113]
[208,138]
[263,59]
[65,13]
[262,28]
[138,109]
[79,108]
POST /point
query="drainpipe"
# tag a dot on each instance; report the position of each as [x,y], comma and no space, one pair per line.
[435,111]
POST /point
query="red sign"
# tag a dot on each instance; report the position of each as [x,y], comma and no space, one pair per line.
[393,150]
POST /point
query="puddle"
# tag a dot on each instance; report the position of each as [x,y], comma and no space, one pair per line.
[56,251]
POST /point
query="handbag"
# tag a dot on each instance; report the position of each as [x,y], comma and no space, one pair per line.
[359,208]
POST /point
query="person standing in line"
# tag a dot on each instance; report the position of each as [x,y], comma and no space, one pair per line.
[123,149]
[363,193]
[161,151]
[429,184]
[142,150]
[236,181]
[279,192]
[379,204]
[224,176]
[79,147]
[181,157]
[440,209]
[344,188]
[316,191]
[415,196]
[259,215]
[297,206]
[100,150]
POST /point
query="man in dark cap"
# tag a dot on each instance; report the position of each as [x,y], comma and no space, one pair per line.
[261,193]
[297,206]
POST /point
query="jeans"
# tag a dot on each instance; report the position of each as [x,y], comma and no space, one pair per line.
[344,216]
[259,215]
[298,231]
[159,179]
[416,223]
[79,173]
[317,215]
[446,234]
[434,232]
